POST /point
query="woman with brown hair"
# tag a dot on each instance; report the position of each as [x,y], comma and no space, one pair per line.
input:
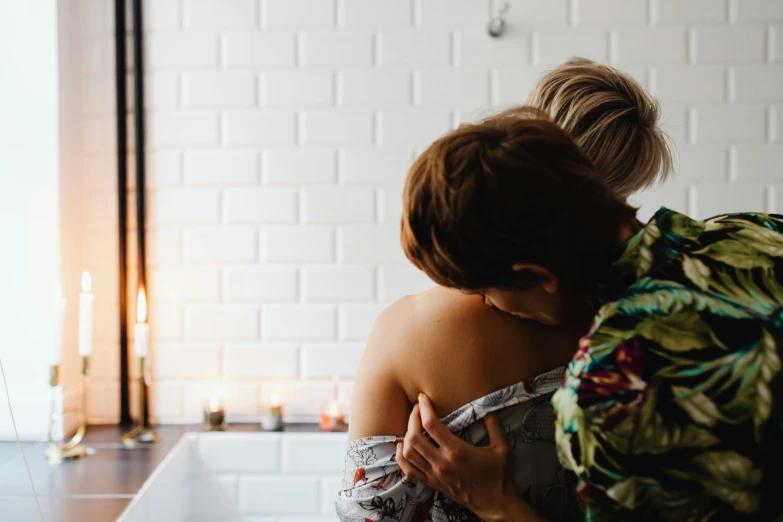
[471,359]
[671,408]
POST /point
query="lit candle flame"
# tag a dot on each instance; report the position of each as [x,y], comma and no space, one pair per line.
[141,307]
[334,411]
[86,282]
[214,404]
[274,400]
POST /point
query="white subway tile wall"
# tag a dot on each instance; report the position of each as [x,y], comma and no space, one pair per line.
[279,136]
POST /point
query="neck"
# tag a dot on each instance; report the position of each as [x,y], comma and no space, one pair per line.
[581,316]
[628,230]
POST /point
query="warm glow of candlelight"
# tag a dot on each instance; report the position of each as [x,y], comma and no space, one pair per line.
[141,307]
[86,282]
[274,400]
[214,404]
[333,417]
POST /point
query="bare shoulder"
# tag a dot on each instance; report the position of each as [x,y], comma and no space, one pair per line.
[450,346]
[407,337]
[416,328]
[465,349]
[406,325]
[449,319]
[379,404]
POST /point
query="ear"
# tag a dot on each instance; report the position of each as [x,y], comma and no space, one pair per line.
[546,280]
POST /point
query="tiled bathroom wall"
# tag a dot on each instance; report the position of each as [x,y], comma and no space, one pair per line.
[280,132]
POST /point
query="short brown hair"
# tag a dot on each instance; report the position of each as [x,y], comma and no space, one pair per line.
[513,188]
[611,117]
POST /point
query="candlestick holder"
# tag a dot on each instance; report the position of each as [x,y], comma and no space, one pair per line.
[85,374]
[142,434]
[71,449]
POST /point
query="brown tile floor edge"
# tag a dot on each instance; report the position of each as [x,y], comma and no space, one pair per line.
[93,489]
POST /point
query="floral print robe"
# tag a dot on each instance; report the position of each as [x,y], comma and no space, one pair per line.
[374,487]
[671,408]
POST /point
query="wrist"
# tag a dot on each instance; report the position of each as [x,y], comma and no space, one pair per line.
[514,509]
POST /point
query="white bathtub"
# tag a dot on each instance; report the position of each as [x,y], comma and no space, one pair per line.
[244,477]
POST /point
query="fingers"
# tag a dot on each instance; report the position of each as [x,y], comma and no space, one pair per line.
[497,435]
[414,421]
[411,472]
[418,442]
[429,419]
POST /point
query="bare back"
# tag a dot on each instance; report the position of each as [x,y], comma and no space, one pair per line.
[452,347]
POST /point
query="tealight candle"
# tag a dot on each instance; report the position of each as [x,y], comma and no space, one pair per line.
[333,418]
[214,415]
[272,414]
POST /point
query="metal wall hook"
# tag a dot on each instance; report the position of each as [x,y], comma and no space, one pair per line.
[497,26]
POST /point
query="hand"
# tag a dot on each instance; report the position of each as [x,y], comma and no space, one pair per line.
[480,479]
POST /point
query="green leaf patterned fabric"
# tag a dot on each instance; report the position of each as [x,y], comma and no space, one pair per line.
[672,409]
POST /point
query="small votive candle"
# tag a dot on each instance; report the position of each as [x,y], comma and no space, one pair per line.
[272,414]
[214,415]
[333,418]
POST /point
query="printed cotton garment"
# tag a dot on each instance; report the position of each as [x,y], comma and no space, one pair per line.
[672,408]
[374,487]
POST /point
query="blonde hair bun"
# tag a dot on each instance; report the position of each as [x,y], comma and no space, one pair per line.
[612,118]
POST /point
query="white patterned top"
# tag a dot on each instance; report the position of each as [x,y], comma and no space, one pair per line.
[374,487]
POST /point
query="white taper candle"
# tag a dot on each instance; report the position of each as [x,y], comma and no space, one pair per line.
[141,334]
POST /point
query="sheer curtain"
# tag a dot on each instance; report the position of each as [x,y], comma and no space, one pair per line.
[18,496]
